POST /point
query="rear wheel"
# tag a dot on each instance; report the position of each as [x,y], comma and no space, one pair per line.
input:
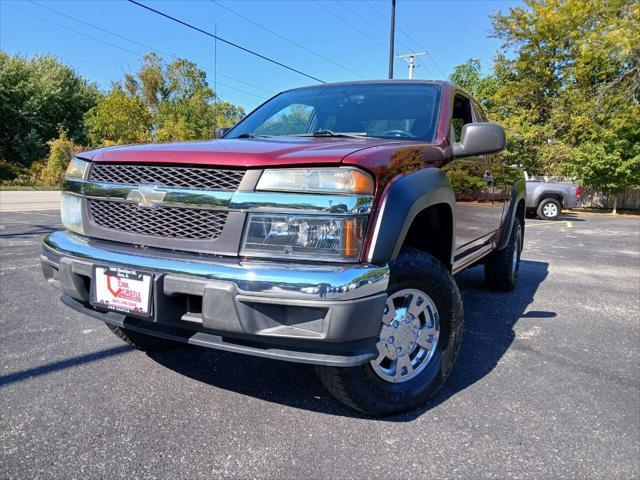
[140,340]
[549,209]
[502,267]
[419,340]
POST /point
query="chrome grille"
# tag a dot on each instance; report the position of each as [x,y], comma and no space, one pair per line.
[167,176]
[168,222]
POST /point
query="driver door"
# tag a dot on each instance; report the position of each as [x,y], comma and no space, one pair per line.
[473,179]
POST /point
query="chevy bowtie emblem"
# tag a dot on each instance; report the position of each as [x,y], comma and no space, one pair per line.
[146,195]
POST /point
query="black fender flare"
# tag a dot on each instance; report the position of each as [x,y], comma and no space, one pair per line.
[404,199]
[551,194]
[518,192]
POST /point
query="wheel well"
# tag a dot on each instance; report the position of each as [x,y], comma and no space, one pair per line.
[556,196]
[432,231]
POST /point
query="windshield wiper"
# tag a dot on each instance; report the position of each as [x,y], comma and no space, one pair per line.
[252,135]
[331,133]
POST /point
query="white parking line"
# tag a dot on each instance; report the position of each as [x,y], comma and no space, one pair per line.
[19,266]
[567,223]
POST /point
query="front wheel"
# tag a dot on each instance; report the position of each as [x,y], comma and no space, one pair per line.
[420,336]
[139,340]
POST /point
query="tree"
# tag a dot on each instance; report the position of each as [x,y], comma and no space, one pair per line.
[38,97]
[467,76]
[61,151]
[118,118]
[168,102]
[573,79]
[179,96]
[605,169]
[566,86]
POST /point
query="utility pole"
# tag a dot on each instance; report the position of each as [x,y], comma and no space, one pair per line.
[410,58]
[391,37]
[215,76]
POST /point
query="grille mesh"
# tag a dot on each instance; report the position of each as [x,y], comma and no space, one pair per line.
[169,222]
[167,176]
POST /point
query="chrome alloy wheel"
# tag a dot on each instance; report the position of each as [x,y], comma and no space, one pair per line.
[409,336]
[550,210]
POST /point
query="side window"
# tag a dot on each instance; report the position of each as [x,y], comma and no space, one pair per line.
[462,114]
[479,113]
[291,120]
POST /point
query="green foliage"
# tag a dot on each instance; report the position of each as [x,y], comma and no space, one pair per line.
[42,99]
[469,77]
[604,169]
[61,151]
[118,118]
[38,97]
[566,86]
[178,101]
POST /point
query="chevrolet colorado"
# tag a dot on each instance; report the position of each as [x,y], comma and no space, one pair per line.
[323,228]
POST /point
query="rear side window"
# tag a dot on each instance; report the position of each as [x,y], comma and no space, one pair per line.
[479,113]
[462,114]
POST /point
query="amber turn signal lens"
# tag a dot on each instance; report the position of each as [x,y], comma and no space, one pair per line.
[362,182]
[351,244]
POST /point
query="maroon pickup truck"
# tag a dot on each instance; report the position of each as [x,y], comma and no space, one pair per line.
[324,228]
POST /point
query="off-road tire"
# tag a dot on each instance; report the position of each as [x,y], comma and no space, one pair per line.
[141,341]
[499,271]
[549,201]
[361,388]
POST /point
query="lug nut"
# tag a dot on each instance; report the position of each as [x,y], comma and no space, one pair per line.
[395,324]
[390,340]
[398,350]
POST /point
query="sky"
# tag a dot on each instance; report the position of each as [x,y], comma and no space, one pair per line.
[331,40]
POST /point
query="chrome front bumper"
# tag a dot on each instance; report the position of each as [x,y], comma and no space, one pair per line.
[327,314]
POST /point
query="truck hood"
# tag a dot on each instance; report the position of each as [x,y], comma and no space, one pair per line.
[249,152]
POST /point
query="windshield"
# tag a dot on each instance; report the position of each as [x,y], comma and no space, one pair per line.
[383,110]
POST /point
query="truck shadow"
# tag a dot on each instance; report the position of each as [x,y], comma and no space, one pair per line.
[489,320]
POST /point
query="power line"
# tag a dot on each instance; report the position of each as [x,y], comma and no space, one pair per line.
[286,39]
[244,49]
[372,25]
[137,54]
[375,40]
[142,44]
[409,37]
[430,55]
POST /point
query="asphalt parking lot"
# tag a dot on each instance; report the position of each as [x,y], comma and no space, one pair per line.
[547,384]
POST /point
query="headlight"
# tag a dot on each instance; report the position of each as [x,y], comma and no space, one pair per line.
[77,168]
[316,180]
[71,212]
[304,237]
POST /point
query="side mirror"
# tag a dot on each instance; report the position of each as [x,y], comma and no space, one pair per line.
[221,132]
[479,139]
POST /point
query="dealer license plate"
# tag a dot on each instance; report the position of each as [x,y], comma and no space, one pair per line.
[122,289]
